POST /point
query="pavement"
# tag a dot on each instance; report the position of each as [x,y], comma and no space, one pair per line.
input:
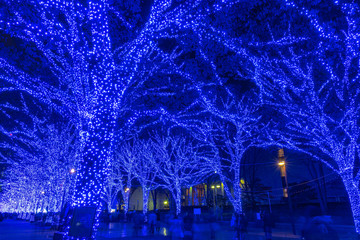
[201,232]
[22,230]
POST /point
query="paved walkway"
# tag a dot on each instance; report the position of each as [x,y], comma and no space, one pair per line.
[202,232]
[22,230]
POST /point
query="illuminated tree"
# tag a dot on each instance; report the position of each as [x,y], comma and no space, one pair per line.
[92,61]
[40,178]
[124,165]
[314,84]
[112,186]
[146,171]
[17,134]
[107,65]
[236,128]
[134,159]
[180,164]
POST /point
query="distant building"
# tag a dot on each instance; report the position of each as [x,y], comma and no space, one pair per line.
[197,195]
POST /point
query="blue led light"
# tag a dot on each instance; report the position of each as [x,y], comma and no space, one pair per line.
[96,81]
[317,93]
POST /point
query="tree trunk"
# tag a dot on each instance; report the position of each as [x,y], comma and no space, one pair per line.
[352,188]
[209,196]
[145,200]
[109,203]
[126,201]
[177,199]
[235,198]
[95,163]
[154,197]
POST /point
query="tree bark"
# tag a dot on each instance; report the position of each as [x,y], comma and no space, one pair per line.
[352,188]
[177,199]
[235,198]
[145,199]
[154,197]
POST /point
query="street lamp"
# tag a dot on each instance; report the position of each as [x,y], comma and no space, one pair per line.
[71,171]
[166,204]
[216,194]
[215,188]
[213,193]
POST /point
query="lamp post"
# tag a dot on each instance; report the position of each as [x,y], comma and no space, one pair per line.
[286,195]
[213,188]
[62,210]
[216,194]
[71,171]
[282,165]
[126,201]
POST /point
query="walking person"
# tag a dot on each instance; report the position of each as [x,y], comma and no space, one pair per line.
[319,228]
[188,226]
[158,218]
[268,222]
[239,222]
[138,223]
[241,226]
[212,224]
[152,222]
[176,228]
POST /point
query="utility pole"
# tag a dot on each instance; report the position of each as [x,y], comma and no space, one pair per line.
[269,201]
[286,194]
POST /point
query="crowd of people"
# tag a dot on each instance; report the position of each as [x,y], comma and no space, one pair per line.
[187,225]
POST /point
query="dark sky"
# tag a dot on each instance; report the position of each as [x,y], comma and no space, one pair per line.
[297,172]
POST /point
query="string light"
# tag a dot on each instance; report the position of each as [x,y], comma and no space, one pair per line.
[95,81]
[39,178]
[179,164]
[319,95]
[74,39]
